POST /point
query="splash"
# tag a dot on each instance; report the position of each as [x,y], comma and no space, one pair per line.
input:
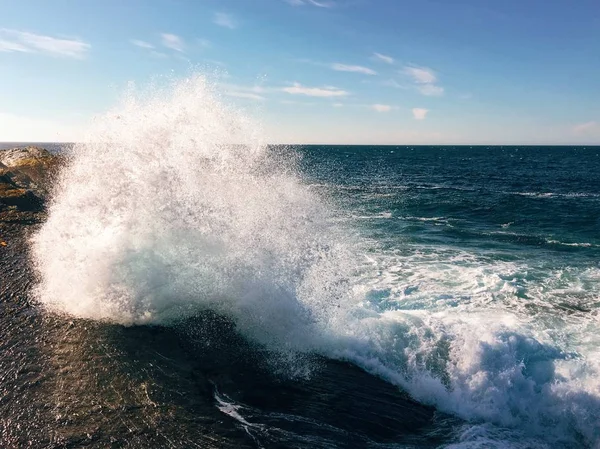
[173,204]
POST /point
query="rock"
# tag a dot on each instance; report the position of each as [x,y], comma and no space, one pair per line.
[15,157]
[25,178]
[31,168]
[22,199]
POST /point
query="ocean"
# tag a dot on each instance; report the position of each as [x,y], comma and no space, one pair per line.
[185,292]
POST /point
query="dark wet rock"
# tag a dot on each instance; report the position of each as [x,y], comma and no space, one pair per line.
[26,176]
[22,199]
[32,168]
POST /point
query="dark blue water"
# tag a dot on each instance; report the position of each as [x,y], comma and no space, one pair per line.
[501,198]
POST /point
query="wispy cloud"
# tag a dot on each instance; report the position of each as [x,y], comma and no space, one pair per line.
[338,66]
[297,103]
[352,68]
[298,89]
[431,90]
[425,80]
[225,20]
[172,41]
[320,4]
[377,107]
[239,91]
[421,75]
[141,44]
[381,107]
[8,46]
[247,95]
[26,42]
[586,128]
[383,58]
[395,84]
[420,113]
[239,87]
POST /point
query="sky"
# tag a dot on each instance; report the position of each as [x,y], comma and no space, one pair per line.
[315,71]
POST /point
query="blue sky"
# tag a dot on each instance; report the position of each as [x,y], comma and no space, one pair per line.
[316,71]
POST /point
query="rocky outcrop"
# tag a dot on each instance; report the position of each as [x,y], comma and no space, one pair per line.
[25,178]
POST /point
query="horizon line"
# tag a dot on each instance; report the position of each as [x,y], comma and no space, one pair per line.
[19,143]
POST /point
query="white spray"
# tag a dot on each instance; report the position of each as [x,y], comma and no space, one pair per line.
[173,204]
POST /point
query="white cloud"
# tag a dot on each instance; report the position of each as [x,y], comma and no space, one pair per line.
[25,42]
[381,107]
[296,103]
[298,89]
[248,95]
[586,128]
[421,75]
[396,84]
[241,88]
[225,20]
[420,113]
[338,105]
[9,46]
[425,80]
[239,91]
[320,4]
[141,44]
[431,90]
[352,68]
[383,58]
[338,66]
[172,41]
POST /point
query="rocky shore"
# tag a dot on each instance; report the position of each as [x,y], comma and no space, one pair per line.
[26,179]
[26,175]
